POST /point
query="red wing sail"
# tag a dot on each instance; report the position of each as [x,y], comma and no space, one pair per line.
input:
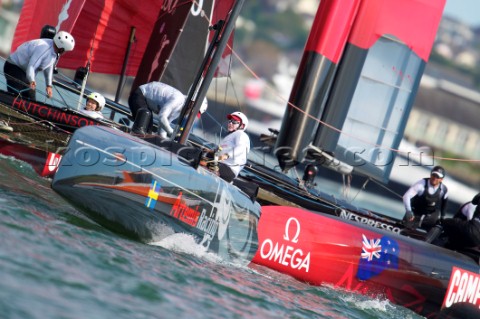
[102,25]
[360,90]
[163,40]
[187,57]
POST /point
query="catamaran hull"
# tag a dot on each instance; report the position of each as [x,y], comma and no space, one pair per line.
[149,193]
[321,249]
[37,132]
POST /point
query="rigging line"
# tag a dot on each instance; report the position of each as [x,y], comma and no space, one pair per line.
[270,88]
[361,188]
[386,188]
[311,197]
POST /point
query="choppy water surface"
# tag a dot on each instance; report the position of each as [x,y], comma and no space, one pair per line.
[56,263]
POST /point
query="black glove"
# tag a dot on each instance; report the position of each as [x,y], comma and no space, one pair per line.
[409,216]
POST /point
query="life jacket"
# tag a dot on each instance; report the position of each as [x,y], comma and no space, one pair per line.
[428,203]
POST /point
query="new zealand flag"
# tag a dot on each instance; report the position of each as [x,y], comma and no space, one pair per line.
[377,256]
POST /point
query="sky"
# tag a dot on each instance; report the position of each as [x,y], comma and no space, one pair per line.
[464,10]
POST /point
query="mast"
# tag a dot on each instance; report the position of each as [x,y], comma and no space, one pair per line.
[125,63]
[199,88]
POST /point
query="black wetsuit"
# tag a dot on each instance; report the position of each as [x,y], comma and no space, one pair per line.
[463,233]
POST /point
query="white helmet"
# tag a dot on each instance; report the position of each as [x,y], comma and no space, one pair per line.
[64,40]
[97,97]
[204,106]
[242,117]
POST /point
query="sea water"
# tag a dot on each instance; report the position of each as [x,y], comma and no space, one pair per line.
[56,263]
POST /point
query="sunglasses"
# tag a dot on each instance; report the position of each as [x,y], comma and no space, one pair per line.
[233,122]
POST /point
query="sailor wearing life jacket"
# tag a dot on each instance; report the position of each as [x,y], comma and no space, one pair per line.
[234,147]
[426,200]
[463,230]
[22,65]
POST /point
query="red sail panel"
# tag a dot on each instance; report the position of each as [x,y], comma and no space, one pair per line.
[325,46]
[35,14]
[164,37]
[404,19]
[375,86]
[331,28]
[220,12]
[102,25]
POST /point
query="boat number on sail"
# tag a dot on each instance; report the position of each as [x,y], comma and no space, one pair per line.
[284,253]
[368,221]
[464,287]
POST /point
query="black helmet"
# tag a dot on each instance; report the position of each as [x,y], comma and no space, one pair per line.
[439,171]
[476,199]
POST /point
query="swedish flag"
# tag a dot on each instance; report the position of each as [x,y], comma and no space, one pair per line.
[152,197]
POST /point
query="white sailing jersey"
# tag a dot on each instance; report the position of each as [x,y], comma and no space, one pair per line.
[237,146]
[36,55]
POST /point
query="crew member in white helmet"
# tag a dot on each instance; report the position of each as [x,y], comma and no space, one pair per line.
[159,98]
[94,105]
[22,66]
[234,147]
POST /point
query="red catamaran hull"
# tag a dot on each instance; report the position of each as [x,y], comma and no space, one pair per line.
[321,249]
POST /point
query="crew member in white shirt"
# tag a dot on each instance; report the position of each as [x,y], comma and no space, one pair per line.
[234,147]
[33,56]
[161,99]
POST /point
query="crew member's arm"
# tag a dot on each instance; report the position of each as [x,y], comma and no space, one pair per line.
[34,63]
[48,73]
[170,111]
[165,123]
[407,199]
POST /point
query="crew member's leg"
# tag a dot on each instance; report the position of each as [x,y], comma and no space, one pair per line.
[226,172]
[429,220]
[143,118]
[17,81]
